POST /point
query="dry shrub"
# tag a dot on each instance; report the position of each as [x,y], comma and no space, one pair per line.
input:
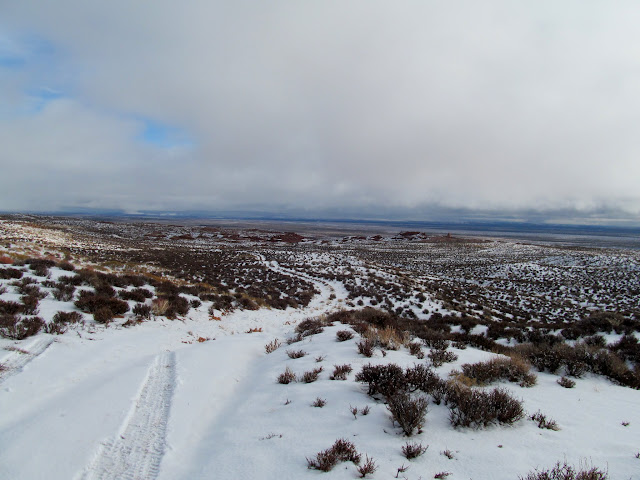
[415,349]
[341,451]
[566,382]
[413,450]
[543,422]
[340,372]
[310,326]
[142,311]
[10,273]
[344,335]
[407,411]
[390,338]
[103,315]
[469,407]
[311,376]
[30,304]
[67,317]
[287,377]
[9,307]
[513,369]
[296,353]
[159,306]
[272,346]
[439,357]
[19,328]
[386,380]
[90,302]
[365,347]
[368,467]
[566,472]
[319,402]
[64,292]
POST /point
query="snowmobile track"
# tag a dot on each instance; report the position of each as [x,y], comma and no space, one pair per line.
[136,451]
[15,361]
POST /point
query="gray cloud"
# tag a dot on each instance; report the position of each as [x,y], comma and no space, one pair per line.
[412,106]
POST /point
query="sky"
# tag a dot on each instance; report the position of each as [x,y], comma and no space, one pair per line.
[423,110]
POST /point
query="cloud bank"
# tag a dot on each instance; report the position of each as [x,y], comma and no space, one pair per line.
[401,108]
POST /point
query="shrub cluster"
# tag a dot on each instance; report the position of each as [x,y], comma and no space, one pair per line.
[10,273]
[310,326]
[389,380]
[407,411]
[440,356]
[578,359]
[19,328]
[513,369]
[469,407]
[91,302]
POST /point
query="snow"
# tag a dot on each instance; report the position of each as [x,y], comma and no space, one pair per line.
[152,401]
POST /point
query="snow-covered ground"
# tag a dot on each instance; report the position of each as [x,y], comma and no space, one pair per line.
[198,398]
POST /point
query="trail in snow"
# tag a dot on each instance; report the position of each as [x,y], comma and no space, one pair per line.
[15,361]
[136,451]
[327,290]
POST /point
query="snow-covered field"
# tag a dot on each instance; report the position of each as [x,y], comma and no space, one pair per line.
[197,397]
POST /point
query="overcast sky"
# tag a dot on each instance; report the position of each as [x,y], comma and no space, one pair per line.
[372,108]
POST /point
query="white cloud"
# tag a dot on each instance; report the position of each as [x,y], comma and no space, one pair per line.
[489,105]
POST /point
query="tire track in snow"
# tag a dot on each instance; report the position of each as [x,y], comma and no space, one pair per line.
[136,451]
[15,361]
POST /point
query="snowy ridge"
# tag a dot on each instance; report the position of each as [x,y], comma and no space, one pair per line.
[15,361]
[136,451]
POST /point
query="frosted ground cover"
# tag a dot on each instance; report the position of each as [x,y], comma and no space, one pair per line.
[197,397]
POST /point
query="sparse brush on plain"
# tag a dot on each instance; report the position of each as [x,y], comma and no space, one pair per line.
[566,472]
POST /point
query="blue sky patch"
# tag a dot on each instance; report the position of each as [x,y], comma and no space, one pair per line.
[163,136]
